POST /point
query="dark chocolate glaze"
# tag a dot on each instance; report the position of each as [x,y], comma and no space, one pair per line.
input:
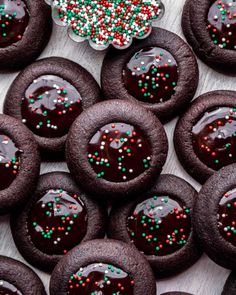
[14,19]
[227,216]
[119,152]
[151,75]
[100,279]
[9,161]
[50,106]
[8,289]
[214,137]
[222,23]
[159,226]
[57,222]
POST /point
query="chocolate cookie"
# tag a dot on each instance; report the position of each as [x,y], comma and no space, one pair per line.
[215,217]
[103,267]
[153,73]
[210,27]
[25,28]
[17,278]
[19,163]
[230,285]
[159,224]
[48,96]
[57,218]
[204,137]
[122,148]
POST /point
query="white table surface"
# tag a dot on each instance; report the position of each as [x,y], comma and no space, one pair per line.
[203,278]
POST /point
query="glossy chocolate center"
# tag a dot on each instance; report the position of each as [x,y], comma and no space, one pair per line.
[151,75]
[8,289]
[14,18]
[222,23]
[227,217]
[119,152]
[50,106]
[57,222]
[159,226]
[100,279]
[214,137]
[9,161]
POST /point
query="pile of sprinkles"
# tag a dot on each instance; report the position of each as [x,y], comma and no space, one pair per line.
[50,106]
[159,226]
[108,22]
[227,216]
[222,23]
[57,221]
[14,19]
[100,278]
[119,152]
[151,75]
[214,137]
[9,161]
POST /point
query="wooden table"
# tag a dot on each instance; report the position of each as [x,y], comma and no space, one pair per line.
[203,278]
